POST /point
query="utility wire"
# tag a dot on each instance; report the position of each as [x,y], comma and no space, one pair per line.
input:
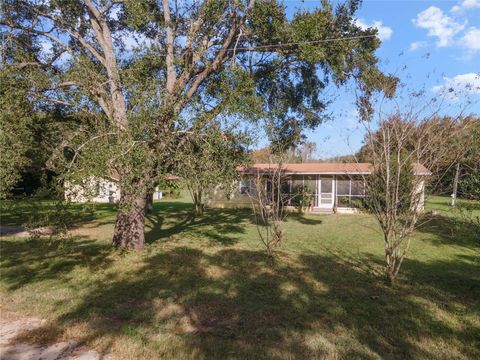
[301,43]
[280,45]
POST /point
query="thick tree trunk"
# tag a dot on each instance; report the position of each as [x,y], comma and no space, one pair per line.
[129,230]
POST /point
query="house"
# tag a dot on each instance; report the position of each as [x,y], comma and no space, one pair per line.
[100,190]
[332,187]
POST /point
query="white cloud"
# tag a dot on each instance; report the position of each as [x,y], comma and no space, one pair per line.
[384,32]
[417,45]
[471,39]
[438,24]
[466,4]
[460,85]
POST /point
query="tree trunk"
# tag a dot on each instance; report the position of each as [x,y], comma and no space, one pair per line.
[197,199]
[390,275]
[390,268]
[455,185]
[129,230]
[149,202]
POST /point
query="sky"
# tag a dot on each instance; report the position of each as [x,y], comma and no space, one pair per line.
[434,45]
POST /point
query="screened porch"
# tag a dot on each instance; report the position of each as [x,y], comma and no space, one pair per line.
[327,191]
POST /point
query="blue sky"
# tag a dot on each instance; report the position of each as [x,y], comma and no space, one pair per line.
[437,41]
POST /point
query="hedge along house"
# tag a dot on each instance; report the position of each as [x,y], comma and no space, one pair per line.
[331,187]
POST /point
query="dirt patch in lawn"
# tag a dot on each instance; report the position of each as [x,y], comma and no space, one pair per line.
[14,331]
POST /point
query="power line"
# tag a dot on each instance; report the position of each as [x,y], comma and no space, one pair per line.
[300,43]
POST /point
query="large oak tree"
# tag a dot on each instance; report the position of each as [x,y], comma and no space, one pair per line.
[132,71]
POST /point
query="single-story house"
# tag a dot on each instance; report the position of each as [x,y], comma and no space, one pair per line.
[101,190]
[332,187]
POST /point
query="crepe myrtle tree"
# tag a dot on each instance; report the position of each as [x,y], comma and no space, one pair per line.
[269,202]
[410,134]
[395,188]
[392,190]
[135,68]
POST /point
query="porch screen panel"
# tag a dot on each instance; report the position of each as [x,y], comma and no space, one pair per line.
[357,192]
[247,186]
[285,190]
[297,185]
[310,182]
[357,187]
[343,191]
[350,192]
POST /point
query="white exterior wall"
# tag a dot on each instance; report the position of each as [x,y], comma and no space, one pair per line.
[98,190]
[157,194]
[93,190]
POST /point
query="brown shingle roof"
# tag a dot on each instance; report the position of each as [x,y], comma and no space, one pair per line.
[323,168]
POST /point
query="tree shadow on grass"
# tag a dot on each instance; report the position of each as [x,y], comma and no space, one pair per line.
[217,225]
[457,281]
[305,220]
[470,205]
[26,261]
[20,211]
[221,226]
[187,303]
[447,230]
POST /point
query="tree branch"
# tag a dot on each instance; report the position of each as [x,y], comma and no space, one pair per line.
[170,59]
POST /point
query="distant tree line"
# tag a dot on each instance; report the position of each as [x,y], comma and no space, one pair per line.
[454,154]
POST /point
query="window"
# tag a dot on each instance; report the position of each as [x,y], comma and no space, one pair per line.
[350,192]
[297,183]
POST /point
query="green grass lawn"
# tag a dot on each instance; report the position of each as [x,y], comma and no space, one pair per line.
[204,289]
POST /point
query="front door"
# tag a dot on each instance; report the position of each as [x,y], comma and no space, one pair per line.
[325,192]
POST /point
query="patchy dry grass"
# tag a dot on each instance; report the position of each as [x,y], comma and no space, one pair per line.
[203,289]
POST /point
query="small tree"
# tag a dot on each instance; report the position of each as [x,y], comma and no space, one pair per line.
[395,188]
[209,161]
[394,199]
[269,204]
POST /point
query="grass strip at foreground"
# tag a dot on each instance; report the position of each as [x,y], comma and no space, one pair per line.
[203,289]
